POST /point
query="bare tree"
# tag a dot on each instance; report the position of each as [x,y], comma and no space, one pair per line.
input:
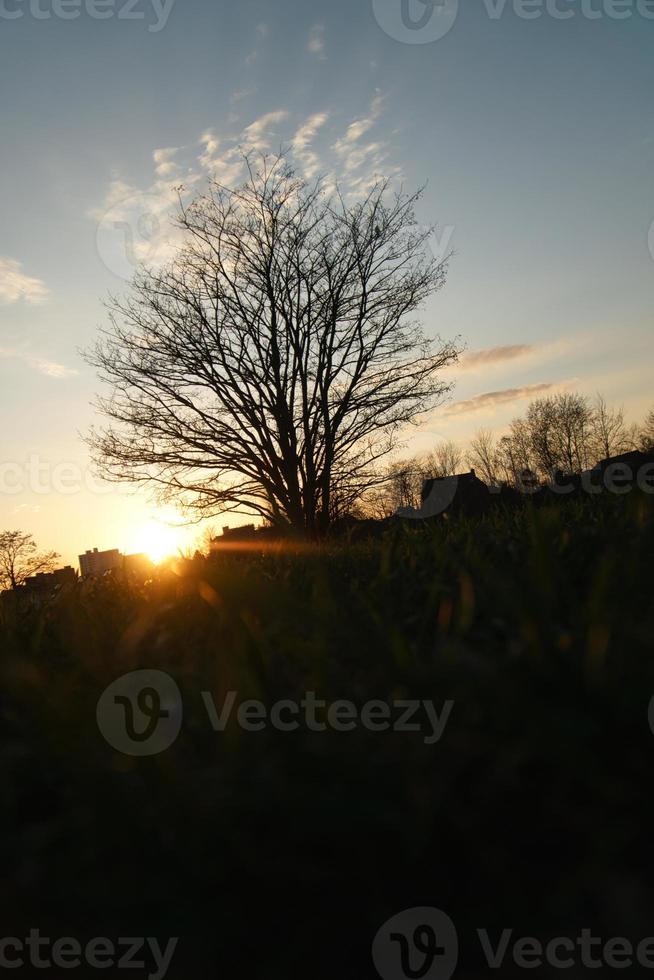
[445,460]
[272,365]
[647,433]
[482,456]
[515,455]
[562,433]
[609,435]
[20,559]
[401,487]
[559,430]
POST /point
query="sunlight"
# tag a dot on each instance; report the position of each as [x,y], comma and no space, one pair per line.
[158,541]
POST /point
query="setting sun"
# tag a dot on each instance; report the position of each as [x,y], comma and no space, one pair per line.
[157,540]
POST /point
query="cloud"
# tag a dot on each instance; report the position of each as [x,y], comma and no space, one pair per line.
[51,369]
[316,42]
[242,93]
[134,224]
[165,166]
[303,139]
[491,399]
[16,285]
[359,127]
[348,147]
[261,30]
[257,136]
[495,355]
[223,160]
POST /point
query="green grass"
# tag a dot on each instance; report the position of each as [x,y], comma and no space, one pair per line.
[281,850]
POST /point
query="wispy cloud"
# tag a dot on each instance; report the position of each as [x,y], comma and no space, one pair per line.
[316,42]
[489,358]
[359,127]
[134,224]
[51,369]
[257,135]
[15,285]
[242,93]
[350,149]
[303,140]
[262,32]
[491,399]
[495,355]
[165,165]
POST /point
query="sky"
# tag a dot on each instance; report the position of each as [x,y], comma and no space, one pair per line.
[530,123]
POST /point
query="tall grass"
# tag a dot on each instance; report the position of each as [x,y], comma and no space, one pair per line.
[280,854]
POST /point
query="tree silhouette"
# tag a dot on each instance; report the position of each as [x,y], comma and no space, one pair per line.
[19,559]
[647,433]
[272,364]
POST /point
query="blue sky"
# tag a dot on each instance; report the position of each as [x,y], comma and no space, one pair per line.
[535,138]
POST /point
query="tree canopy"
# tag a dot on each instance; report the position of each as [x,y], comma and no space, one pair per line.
[273,363]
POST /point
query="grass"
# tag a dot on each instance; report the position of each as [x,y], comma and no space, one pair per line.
[278,855]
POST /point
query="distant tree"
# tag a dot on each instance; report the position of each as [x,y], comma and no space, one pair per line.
[482,456]
[609,435]
[515,456]
[565,432]
[20,559]
[401,488]
[560,433]
[646,435]
[445,460]
[273,363]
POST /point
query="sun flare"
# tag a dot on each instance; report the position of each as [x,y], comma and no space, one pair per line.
[157,541]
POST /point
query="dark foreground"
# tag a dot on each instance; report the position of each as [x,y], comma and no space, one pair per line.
[278,854]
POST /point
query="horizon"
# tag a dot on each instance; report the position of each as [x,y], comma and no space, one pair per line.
[534,138]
